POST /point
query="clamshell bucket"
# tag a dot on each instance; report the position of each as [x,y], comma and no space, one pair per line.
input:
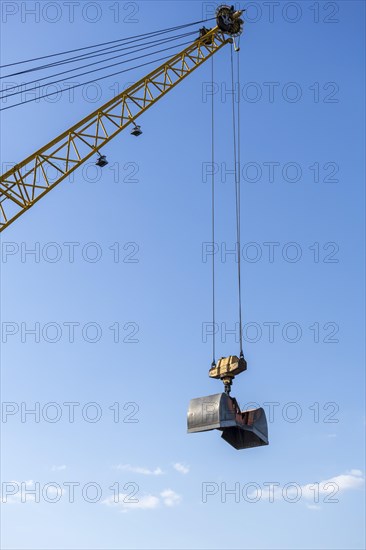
[241,429]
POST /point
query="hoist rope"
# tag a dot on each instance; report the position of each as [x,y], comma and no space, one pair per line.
[138,36]
[236,148]
[239,209]
[213,213]
[68,76]
[146,46]
[84,83]
[95,70]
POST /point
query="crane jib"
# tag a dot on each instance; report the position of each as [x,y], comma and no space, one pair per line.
[28,181]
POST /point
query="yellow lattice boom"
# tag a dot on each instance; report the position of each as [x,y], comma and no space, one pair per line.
[27,182]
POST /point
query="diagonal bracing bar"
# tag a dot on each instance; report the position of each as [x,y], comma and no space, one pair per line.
[29,181]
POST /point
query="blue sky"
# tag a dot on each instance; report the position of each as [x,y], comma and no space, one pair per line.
[158,293]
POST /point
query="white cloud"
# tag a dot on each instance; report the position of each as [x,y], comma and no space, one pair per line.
[330,487]
[58,468]
[313,507]
[13,492]
[125,503]
[139,470]
[170,498]
[354,479]
[181,468]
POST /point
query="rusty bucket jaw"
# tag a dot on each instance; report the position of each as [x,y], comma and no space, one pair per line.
[241,429]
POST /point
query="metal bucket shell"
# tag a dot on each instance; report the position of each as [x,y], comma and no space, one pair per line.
[241,429]
[211,412]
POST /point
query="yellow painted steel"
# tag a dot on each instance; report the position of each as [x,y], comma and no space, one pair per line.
[28,181]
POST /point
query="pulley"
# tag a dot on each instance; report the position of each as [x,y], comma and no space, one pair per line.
[228,20]
[202,33]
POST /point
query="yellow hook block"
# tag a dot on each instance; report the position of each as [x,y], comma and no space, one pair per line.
[228,366]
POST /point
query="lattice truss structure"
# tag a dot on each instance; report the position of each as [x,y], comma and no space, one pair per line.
[30,180]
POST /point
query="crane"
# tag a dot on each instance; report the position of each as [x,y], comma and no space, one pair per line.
[27,182]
